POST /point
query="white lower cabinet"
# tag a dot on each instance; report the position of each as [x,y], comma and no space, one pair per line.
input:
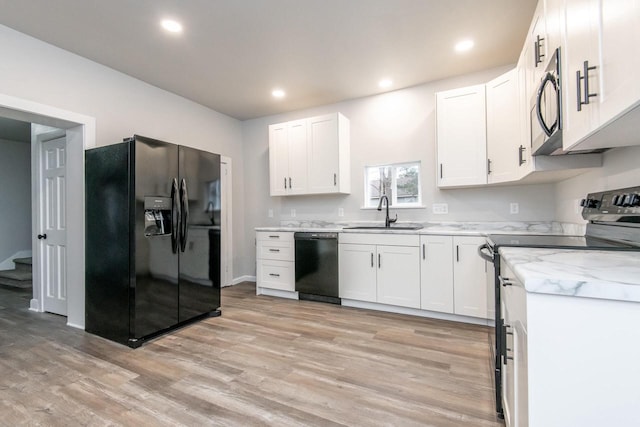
[399,276]
[469,277]
[275,268]
[436,273]
[453,277]
[514,361]
[381,268]
[357,275]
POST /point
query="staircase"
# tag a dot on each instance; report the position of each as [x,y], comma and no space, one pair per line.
[20,277]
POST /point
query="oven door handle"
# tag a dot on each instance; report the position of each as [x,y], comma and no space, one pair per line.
[485,252]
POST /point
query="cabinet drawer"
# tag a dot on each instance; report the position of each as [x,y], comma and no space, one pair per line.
[274,236]
[282,251]
[276,275]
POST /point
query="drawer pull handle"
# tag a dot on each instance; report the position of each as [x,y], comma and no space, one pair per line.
[504,281]
[274,275]
[274,250]
[274,237]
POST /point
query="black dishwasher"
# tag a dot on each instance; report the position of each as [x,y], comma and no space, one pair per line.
[317,266]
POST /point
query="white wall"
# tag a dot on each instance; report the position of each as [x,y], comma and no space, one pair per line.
[15,199]
[388,128]
[621,168]
[37,71]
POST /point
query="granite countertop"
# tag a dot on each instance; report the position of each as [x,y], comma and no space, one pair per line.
[447,228]
[613,275]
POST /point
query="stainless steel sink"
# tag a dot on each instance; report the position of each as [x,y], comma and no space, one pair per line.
[382,227]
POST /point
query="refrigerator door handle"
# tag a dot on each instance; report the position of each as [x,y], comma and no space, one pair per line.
[184,207]
[175,216]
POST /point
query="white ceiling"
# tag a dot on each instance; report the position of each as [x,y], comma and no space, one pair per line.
[232,53]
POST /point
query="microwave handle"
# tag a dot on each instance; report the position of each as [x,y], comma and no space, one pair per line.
[548,79]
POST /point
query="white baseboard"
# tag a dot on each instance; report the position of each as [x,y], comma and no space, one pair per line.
[75,326]
[245,278]
[416,312]
[276,293]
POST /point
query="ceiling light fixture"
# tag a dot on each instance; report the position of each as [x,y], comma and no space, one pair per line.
[385,83]
[278,93]
[171,26]
[464,45]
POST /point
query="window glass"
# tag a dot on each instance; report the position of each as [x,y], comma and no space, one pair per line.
[399,182]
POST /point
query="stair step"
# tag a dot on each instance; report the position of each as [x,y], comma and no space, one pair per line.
[16,275]
[15,283]
[23,264]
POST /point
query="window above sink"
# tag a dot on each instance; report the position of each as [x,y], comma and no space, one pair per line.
[400,182]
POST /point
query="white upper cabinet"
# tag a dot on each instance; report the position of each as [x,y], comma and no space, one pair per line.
[504,133]
[288,158]
[601,60]
[461,137]
[310,156]
[328,159]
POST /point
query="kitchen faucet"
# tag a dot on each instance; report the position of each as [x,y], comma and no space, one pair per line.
[387,220]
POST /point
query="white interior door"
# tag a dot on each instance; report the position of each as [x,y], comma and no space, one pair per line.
[226,250]
[52,247]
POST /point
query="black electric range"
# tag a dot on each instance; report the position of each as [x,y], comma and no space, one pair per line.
[614,225]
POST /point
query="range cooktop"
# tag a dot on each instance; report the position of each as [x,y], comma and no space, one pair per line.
[550,241]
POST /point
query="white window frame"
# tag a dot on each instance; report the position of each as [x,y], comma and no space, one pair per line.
[394,197]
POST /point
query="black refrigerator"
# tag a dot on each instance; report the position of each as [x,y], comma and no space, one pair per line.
[152,238]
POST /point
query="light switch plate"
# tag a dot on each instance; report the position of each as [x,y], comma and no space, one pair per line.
[340,211]
[514,208]
[270,213]
[293,213]
[440,208]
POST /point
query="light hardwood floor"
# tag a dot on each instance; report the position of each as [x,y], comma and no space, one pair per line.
[266,361]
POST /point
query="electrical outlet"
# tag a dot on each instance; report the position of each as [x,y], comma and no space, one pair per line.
[340,211]
[293,213]
[578,206]
[270,213]
[514,208]
[440,208]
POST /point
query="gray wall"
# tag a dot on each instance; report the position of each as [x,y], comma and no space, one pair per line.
[15,198]
[621,168]
[39,72]
[388,128]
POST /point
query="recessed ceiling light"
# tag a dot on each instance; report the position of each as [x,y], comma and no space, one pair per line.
[278,93]
[171,26]
[385,83]
[464,45]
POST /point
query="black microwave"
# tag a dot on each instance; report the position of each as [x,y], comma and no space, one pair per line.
[546,111]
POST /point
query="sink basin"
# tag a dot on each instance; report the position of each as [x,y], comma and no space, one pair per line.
[382,227]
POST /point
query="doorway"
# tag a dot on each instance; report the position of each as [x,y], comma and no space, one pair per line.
[80,134]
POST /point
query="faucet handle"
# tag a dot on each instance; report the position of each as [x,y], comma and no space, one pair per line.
[393,220]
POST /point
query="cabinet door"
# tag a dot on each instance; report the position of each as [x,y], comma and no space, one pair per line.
[323,160]
[537,40]
[461,137]
[436,273]
[469,286]
[297,138]
[278,159]
[504,136]
[581,44]
[620,31]
[398,276]
[357,272]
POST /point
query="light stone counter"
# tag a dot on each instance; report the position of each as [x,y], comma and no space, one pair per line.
[443,228]
[613,275]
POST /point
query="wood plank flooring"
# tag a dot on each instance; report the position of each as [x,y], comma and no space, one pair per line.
[265,362]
